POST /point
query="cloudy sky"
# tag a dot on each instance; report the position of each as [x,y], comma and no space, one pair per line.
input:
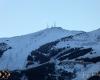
[18,17]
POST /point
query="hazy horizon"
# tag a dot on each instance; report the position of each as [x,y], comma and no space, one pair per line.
[20,17]
[41,30]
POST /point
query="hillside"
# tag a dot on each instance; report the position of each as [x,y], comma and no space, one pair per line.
[52,54]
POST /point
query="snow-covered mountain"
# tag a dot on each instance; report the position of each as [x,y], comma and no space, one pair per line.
[77,54]
[53,54]
[21,46]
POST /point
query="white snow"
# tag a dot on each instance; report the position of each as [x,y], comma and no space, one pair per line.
[22,46]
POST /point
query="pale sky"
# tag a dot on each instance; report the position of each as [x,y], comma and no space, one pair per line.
[18,17]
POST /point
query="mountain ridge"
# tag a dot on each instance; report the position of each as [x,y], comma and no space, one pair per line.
[25,44]
[79,50]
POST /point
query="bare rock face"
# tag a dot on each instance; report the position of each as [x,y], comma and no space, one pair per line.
[3,47]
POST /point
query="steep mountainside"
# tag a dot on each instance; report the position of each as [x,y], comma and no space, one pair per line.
[76,54]
[52,54]
[21,46]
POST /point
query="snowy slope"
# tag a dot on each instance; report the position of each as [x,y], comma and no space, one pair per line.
[89,39]
[21,46]
[78,54]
